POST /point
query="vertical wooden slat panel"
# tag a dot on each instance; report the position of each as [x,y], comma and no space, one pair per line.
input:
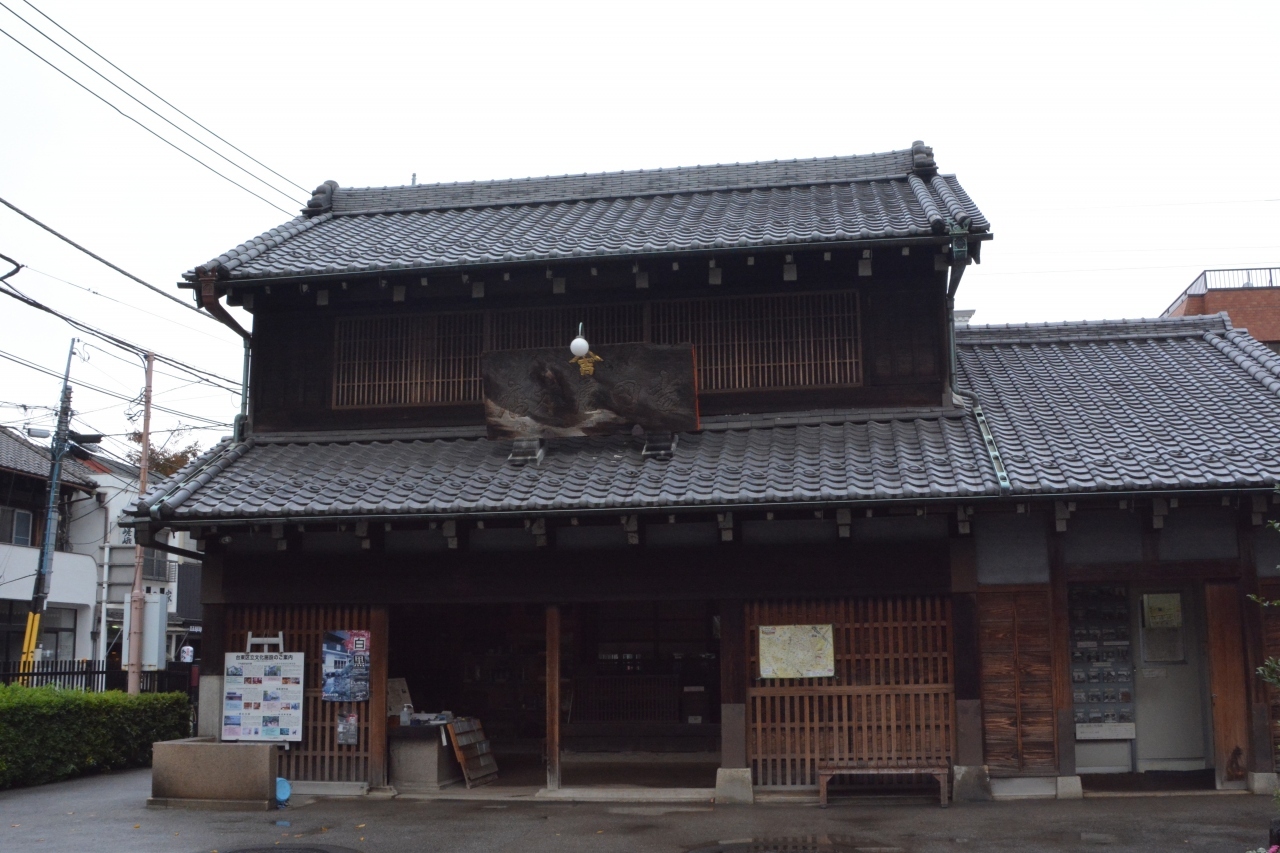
[890,701]
[318,757]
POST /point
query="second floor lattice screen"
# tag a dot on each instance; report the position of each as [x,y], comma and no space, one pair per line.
[742,343]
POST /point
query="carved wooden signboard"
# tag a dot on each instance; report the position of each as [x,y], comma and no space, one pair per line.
[546,393]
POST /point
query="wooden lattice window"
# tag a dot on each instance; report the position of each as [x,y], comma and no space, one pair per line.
[761,342]
[526,328]
[742,343]
[411,360]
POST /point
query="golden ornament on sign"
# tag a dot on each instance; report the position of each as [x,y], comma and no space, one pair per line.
[586,363]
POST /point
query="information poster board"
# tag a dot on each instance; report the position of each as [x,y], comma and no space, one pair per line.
[262,696]
[797,651]
[346,666]
[1101,662]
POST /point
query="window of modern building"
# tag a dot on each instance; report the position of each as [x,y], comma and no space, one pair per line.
[15,526]
[57,631]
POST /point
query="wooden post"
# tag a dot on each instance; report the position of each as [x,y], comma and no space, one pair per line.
[733,685]
[553,697]
[380,637]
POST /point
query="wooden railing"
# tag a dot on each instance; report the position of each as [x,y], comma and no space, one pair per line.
[792,729]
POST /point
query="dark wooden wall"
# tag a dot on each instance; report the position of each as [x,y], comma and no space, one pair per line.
[553,576]
[902,319]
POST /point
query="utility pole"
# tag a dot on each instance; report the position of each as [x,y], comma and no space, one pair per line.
[137,599]
[45,568]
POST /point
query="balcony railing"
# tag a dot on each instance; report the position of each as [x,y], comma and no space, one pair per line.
[156,568]
[1230,279]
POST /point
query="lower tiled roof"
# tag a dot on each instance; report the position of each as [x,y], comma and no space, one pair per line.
[1184,403]
[781,465]
[1075,408]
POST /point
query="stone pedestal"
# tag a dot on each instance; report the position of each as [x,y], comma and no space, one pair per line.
[201,773]
[419,760]
[970,783]
[1069,788]
[733,785]
[1263,783]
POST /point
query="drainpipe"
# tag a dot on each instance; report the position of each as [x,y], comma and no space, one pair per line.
[209,301]
[959,258]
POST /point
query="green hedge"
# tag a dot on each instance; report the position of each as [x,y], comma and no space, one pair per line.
[47,733]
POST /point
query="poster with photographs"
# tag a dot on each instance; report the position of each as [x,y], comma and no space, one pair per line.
[346,666]
[262,696]
[1101,662]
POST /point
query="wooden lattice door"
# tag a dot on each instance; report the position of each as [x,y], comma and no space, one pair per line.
[892,695]
[1019,734]
[319,757]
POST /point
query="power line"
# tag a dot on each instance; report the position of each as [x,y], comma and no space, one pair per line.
[121,302]
[162,100]
[33,366]
[103,260]
[13,293]
[137,100]
[177,148]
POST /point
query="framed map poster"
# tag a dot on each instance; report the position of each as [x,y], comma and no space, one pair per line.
[262,696]
[797,651]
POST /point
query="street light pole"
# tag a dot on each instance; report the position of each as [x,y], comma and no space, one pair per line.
[45,568]
[137,599]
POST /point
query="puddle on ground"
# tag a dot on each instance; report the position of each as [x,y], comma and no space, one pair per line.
[798,844]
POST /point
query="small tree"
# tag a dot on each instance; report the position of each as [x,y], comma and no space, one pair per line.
[160,461]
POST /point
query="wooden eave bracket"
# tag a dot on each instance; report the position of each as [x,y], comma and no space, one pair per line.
[725,521]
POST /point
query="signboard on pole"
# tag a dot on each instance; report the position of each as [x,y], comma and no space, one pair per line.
[262,696]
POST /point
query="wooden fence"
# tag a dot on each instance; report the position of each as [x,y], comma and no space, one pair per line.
[889,703]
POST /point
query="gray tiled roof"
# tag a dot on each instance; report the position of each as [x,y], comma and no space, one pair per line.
[20,455]
[834,462]
[702,208]
[1134,405]
[1183,403]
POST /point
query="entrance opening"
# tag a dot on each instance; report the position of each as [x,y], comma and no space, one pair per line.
[1139,687]
[639,687]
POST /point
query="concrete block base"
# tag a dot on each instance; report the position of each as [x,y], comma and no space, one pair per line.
[1069,788]
[1263,783]
[1025,788]
[199,771]
[733,785]
[210,805]
[970,784]
[330,789]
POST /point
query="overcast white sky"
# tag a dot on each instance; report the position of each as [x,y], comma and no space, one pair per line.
[1117,148]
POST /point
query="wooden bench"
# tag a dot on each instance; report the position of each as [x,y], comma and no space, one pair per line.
[828,768]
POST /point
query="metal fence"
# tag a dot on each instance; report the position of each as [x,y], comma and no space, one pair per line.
[96,676]
[1227,279]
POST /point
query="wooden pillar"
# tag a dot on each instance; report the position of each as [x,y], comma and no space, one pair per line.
[1060,635]
[1261,758]
[964,637]
[553,697]
[379,637]
[733,685]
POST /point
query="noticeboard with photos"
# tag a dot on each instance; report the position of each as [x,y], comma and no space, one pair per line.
[1101,662]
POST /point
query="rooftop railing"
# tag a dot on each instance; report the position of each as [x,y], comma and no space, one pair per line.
[1229,279]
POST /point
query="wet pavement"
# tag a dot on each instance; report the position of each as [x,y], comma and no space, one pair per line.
[107,813]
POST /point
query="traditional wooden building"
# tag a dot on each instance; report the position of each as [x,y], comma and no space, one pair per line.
[1030,544]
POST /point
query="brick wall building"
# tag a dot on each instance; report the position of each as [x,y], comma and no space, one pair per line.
[1251,297]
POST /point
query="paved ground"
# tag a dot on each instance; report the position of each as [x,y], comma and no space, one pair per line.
[105,814]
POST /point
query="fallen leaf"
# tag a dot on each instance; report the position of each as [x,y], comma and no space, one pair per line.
[137,826]
[15,825]
[360,826]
